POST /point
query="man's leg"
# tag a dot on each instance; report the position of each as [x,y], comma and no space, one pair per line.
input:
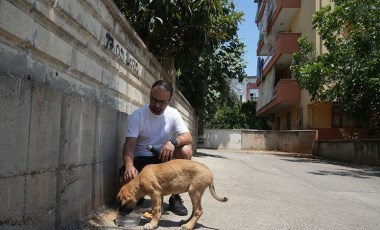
[175,201]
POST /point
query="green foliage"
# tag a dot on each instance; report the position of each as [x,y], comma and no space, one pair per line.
[182,29]
[238,116]
[229,117]
[249,110]
[207,86]
[201,36]
[349,73]
[347,136]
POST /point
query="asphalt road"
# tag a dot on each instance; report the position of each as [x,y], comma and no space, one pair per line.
[268,191]
[276,191]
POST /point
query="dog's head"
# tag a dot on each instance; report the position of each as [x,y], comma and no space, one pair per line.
[125,197]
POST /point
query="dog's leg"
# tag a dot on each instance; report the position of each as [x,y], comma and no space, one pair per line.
[182,222]
[195,197]
[156,212]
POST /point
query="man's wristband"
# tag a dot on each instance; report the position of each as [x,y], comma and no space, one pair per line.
[174,142]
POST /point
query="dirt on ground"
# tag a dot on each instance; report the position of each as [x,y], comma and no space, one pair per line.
[102,218]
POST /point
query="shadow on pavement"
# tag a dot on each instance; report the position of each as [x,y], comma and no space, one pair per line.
[200,226]
[166,222]
[363,174]
[170,223]
[352,169]
[201,154]
[296,155]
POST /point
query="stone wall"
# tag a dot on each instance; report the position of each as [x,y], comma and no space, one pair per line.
[70,73]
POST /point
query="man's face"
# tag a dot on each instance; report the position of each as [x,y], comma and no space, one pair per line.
[159,100]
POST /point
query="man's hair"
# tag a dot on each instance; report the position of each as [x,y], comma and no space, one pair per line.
[164,84]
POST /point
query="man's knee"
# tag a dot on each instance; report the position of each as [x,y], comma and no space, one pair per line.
[185,152]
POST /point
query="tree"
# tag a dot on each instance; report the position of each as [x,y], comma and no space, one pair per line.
[349,73]
[249,109]
[207,85]
[182,29]
[229,117]
[238,116]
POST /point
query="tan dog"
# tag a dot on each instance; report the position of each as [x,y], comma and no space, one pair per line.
[172,177]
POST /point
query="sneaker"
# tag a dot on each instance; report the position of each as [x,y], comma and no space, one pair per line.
[176,205]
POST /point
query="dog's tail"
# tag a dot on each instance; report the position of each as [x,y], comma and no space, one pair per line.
[213,193]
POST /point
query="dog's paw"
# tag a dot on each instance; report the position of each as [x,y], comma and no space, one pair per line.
[186,227]
[148,226]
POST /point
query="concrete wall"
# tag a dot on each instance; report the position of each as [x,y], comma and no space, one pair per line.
[299,141]
[70,73]
[357,151]
[221,139]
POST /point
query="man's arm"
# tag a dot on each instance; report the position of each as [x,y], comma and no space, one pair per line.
[168,149]
[184,139]
[128,157]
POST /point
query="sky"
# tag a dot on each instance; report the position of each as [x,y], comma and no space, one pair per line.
[248,33]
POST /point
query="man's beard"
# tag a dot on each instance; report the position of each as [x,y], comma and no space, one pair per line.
[156,110]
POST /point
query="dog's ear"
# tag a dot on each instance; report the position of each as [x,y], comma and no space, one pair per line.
[119,197]
[123,201]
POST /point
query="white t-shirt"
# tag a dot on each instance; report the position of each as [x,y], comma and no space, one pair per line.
[155,130]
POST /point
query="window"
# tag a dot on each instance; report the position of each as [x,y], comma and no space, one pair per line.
[254,95]
[336,116]
[278,123]
[299,121]
[288,126]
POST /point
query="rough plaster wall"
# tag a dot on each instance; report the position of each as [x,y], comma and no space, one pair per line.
[357,151]
[65,96]
[222,139]
[298,141]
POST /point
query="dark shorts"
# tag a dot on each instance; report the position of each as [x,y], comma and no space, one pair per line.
[140,163]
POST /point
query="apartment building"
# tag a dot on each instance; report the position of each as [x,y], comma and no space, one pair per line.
[252,90]
[247,90]
[281,23]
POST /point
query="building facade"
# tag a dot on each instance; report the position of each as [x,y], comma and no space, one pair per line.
[246,90]
[281,23]
[252,90]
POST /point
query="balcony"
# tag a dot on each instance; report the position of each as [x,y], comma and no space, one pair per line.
[286,93]
[260,9]
[286,45]
[277,17]
[283,14]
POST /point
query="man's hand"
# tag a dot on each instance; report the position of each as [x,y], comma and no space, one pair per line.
[130,173]
[167,152]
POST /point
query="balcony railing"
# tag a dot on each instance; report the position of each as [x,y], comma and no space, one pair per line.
[275,16]
[260,9]
[286,93]
[286,45]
